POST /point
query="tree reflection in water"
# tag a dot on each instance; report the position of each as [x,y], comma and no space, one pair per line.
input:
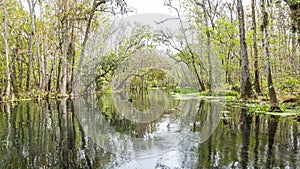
[246,120]
[46,135]
[50,134]
[272,128]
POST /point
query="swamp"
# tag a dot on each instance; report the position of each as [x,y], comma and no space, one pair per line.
[160,84]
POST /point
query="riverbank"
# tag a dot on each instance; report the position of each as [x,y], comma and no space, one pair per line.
[290,105]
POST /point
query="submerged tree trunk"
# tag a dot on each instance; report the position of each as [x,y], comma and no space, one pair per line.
[272,93]
[256,69]
[246,89]
[6,52]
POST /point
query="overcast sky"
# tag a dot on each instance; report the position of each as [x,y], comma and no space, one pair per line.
[148,6]
[156,6]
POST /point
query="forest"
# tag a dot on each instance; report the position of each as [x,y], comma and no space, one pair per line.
[97,84]
[255,46]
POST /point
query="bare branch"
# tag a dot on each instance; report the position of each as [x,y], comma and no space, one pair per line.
[165,20]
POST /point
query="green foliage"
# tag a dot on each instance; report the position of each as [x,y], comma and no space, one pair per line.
[223,31]
[176,91]
[204,93]
[148,78]
[280,114]
[288,83]
[265,109]
[185,90]
[232,93]
[184,56]
[258,107]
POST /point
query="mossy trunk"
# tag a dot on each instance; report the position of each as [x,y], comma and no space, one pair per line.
[272,94]
[246,89]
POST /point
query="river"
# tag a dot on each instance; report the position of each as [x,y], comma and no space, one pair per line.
[145,130]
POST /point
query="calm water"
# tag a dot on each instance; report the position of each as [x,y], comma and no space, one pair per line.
[153,130]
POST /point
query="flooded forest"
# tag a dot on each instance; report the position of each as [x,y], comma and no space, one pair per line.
[162,84]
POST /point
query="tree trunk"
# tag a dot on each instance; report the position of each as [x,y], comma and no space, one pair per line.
[29,65]
[295,15]
[45,51]
[230,53]
[246,89]
[20,75]
[65,44]
[6,52]
[256,68]
[294,61]
[31,6]
[208,48]
[272,93]
[58,70]
[14,71]
[71,58]
[40,59]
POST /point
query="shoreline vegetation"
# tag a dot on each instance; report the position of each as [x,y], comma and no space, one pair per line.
[289,106]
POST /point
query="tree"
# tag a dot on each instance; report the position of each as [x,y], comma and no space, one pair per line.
[86,36]
[246,89]
[96,4]
[30,60]
[295,15]
[256,69]
[34,35]
[271,89]
[294,6]
[44,45]
[65,39]
[208,44]
[6,51]
[185,45]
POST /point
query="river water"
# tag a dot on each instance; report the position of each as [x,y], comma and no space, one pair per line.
[145,130]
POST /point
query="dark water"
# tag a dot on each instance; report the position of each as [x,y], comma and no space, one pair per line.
[152,130]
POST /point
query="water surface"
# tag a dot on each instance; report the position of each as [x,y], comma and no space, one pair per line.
[152,130]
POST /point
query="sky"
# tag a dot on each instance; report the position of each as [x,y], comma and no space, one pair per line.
[148,6]
[156,6]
